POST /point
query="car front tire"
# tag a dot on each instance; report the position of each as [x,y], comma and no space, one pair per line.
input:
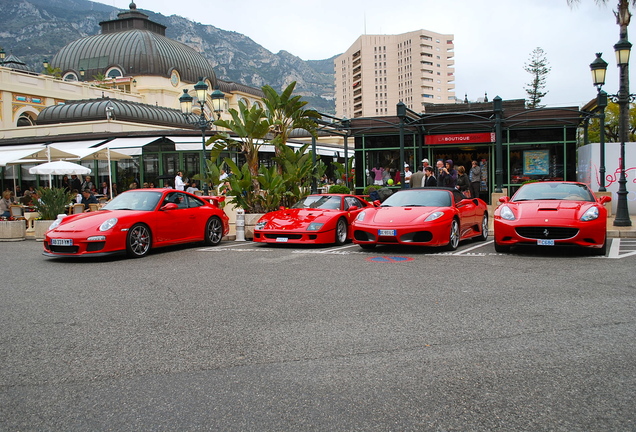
[213,231]
[138,241]
[341,232]
[453,241]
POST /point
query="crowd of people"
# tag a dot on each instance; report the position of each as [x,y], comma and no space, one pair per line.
[443,174]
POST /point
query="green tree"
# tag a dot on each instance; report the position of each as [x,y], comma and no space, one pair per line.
[539,69]
[611,125]
[55,72]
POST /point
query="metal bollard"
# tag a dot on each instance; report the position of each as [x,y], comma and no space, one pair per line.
[240,225]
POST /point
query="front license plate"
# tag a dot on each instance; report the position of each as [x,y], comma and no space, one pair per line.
[386,233]
[62,242]
[282,239]
[542,242]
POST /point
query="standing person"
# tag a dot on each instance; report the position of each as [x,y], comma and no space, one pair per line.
[66,184]
[463,184]
[474,176]
[448,175]
[429,177]
[386,176]
[178,181]
[417,180]
[377,175]
[425,164]
[75,183]
[407,176]
[114,189]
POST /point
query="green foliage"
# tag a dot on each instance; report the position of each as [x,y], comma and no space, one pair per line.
[54,72]
[52,202]
[341,189]
[611,125]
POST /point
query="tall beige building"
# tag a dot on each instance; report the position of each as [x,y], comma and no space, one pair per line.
[378,71]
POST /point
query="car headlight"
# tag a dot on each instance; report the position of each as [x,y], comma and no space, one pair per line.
[590,214]
[506,213]
[108,224]
[56,223]
[433,216]
[260,225]
[314,226]
[361,216]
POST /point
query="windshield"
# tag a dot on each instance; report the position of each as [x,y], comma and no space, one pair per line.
[553,191]
[419,198]
[134,200]
[319,202]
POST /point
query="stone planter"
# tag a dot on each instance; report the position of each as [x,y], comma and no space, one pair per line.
[250,223]
[12,230]
[40,228]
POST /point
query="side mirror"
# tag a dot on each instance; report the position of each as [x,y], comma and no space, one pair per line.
[504,199]
[169,206]
[604,199]
[352,208]
[377,203]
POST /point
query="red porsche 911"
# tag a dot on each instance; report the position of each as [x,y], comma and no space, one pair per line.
[422,217]
[320,218]
[550,213]
[136,221]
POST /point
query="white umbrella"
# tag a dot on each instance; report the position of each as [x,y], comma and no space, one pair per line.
[59,168]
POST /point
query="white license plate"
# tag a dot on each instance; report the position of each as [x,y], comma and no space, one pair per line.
[542,242]
[386,233]
[282,239]
[62,242]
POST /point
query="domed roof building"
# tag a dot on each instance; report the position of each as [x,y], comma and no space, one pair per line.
[130,46]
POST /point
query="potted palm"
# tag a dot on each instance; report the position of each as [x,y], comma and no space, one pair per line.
[51,202]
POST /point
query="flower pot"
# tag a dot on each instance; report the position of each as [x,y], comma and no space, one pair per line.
[12,230]
[40,228]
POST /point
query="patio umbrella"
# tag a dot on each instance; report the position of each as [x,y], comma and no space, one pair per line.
[59,168]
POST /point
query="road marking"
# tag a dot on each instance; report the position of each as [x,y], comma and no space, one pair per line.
[464,251]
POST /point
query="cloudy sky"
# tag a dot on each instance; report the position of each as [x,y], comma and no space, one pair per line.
[493,38]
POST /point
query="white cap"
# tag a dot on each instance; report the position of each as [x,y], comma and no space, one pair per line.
[424,160]
[406,165]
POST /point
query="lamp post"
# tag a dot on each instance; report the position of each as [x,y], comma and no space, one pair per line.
[2,55]
[622,50]
[82,72]
[217,96]
[599,69]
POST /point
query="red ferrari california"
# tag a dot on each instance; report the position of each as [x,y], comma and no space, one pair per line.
[422,217]
[136,221]
[320,218]
[552,214]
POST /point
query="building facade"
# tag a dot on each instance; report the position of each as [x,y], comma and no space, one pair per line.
[378,71]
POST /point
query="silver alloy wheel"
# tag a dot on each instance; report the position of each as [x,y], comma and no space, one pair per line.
[484,228]
[138,241]
[454,235]
[213,231]
[341,232]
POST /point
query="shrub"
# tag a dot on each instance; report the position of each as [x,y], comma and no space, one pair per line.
[341,189]
[52,202]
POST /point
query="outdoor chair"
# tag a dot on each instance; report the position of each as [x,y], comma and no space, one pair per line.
[93,207]
[78,208]
[17,212]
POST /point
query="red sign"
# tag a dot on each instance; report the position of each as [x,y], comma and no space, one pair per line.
[467,138]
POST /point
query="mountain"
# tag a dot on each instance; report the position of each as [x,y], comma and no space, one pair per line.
[34,30]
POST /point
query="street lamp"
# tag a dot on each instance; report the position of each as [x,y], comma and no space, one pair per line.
[217,96]
[82,73]
[599,70]
[622,50]
[2,55]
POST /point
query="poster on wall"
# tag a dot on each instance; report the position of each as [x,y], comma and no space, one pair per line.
[536,162]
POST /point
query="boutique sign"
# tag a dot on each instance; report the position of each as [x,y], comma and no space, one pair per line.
[466,138]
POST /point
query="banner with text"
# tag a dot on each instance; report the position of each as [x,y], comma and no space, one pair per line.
[466,138]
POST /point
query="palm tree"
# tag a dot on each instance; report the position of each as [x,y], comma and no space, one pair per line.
[251,128]
[286,112]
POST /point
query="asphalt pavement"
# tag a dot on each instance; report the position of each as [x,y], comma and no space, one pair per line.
[247,337]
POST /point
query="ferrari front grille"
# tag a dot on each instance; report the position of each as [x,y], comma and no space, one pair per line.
[550,233]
